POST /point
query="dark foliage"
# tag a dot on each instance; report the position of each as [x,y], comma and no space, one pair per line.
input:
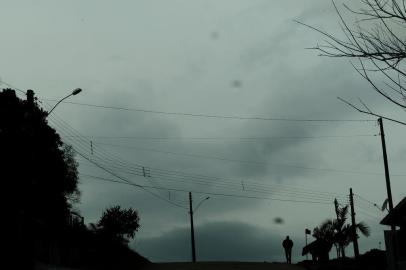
[337,231]
[85,248]
[38,173]
[119,224]
[372,260]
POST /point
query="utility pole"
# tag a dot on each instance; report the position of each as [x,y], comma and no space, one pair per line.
[354,228]
[307,256]
[385,162]
[388,189]
[192,229]
[336,209]
[307,231]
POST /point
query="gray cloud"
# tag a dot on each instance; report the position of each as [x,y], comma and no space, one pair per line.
[159,56]
[216,241]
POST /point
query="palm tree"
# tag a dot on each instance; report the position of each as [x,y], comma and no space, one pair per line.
[338,232]
[325,231]
[341,229]
[344,233]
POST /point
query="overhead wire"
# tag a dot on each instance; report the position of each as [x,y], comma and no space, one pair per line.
[366,214]
[296,194]
[259,163]
[285,119]
[138,174]
[83,146]
[214,193]
[229,138]
[143,187]
[245,161]
[97,155]
[364,199]
[100,166]
[367,208]
[61,125]
[11,86]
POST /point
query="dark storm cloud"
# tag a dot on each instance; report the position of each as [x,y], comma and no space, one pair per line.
[293,91]
[269,48]
[163,58]
[216,241]
[301,98]
[287,89]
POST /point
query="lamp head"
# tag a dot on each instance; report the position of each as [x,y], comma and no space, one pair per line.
[76,91]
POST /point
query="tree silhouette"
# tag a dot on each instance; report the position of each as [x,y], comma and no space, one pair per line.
[119,224]
[38,172]
[338,232]
[343,231]
[376,40]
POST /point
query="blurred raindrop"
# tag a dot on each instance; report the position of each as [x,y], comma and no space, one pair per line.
[236,84]
[278,220]
[214,35]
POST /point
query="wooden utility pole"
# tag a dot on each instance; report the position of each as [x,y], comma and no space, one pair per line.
[336,209]
[192,229]
[307,231]
[388,189]
[385,163]
[353,227]
[307,255]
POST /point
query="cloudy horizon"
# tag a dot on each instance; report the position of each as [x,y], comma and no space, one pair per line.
[246,59]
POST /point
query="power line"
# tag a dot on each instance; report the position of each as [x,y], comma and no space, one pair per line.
[188,176]
[129,182]
[231,138]
[11,86]
[223,194]
[284,119]
[116,175]
[82,136]
[82,147]
[162,175]
[242,161]
[169,173]
[366,200]
[208,193]
[367,214]
[247,186]
[369,210]
[217,179]
[266,190]
[97,155]
[248,189]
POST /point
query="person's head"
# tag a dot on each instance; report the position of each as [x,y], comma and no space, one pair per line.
[287,236]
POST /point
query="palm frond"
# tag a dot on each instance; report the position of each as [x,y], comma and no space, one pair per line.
[363,228]
[343,213]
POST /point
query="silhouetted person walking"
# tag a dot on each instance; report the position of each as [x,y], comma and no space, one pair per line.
[287,245]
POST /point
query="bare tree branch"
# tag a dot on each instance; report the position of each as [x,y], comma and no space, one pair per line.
[378,38]
[370,113]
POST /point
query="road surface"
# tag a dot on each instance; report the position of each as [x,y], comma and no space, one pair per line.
[223,266]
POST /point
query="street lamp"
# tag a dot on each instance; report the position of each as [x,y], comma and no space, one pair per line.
[200,203]
[192,229]
[74,93]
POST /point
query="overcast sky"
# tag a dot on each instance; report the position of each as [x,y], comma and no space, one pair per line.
[231,58]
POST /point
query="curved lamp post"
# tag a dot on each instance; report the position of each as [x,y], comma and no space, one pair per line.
[74,92]
[192,228]
[200,203]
